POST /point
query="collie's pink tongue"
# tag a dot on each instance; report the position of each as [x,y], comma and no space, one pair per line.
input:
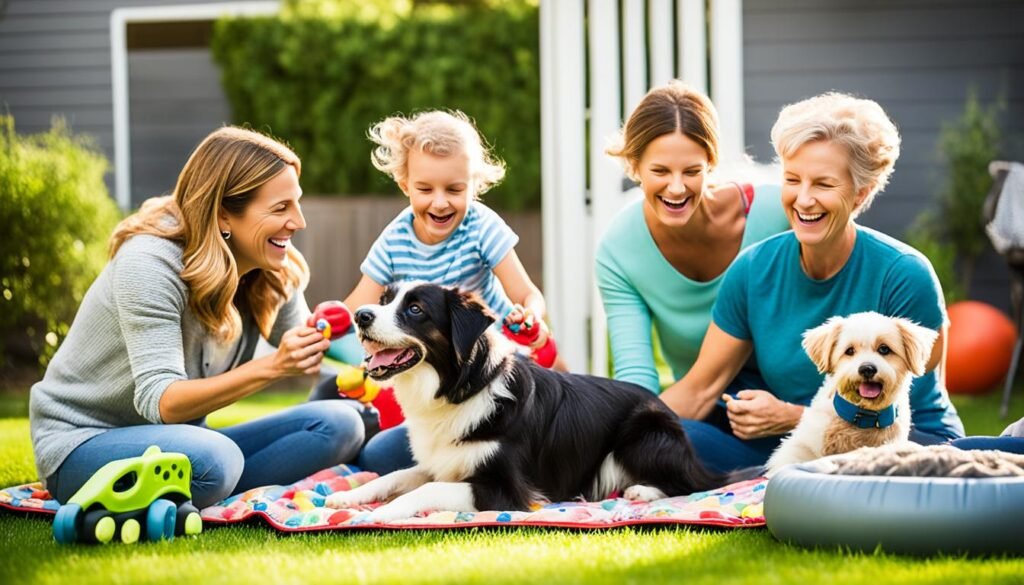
[869,389]
[385,357]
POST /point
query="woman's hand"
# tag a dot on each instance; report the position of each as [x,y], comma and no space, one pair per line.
[758,413]
[300,352]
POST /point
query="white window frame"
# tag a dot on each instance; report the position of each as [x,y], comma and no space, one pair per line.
[120,18]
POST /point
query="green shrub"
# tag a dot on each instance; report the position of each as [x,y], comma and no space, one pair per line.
[318,78]
[953,238]
[967,145]
[56,215]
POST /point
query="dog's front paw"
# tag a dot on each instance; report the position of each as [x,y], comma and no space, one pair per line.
[643,493]
[345,500]
[389,512]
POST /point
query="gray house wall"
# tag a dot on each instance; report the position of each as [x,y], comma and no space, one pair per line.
[176,100]
[55,60]
[917,58]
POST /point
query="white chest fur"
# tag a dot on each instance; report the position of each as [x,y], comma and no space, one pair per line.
[435,426]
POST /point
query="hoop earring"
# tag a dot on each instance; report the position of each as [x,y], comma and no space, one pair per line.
[226,235]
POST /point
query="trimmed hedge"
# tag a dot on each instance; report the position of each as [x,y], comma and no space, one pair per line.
[57,216]
[318,81]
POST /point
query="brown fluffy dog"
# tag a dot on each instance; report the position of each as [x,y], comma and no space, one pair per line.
[869,361]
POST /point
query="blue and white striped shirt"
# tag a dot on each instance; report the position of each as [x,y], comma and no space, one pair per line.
[465,259]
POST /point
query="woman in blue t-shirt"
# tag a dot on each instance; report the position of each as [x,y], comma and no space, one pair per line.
[837,152]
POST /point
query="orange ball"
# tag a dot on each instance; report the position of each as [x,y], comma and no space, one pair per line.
[979,348]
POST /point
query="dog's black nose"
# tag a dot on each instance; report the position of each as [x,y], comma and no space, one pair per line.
[364,318]
[867,370]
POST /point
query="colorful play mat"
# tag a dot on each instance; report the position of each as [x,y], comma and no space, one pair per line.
[300,507]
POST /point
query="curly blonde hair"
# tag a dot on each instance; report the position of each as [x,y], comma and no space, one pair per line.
[436,132]
[225,170]
[859,125]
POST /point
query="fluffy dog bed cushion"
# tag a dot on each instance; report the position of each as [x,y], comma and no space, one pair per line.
[299,507]
[914,515]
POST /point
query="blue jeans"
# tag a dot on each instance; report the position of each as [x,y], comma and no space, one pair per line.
[1006,444]
[384,451]
[278,449]
[388,451]
[722,451]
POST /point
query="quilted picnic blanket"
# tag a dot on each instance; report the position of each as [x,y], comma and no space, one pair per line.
[300,507]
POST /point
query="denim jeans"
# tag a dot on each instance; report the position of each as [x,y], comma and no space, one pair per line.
[388,451]
[1006,444]
[722,451]
[383,451]
[278,449]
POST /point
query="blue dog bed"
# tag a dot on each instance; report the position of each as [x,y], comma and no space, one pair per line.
[913,515]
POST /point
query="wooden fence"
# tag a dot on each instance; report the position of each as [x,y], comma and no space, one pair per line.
[340,230]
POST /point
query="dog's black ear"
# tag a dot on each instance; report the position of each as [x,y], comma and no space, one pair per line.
[470,318]
[820,342]
[917,344]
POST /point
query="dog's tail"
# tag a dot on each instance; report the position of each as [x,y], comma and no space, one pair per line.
[653,448]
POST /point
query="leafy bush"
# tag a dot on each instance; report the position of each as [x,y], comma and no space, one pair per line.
[56,215]
[967,146]
[955,236]
[321,73]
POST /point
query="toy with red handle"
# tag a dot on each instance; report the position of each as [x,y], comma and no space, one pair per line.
[332,318]
[525,330]
[353,383]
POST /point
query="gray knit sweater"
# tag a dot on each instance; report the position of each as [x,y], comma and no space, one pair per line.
[133,336]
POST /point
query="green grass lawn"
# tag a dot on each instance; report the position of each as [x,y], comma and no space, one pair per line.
[254,553]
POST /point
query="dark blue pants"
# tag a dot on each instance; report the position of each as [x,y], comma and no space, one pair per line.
[383,451]
[722,451]
[1007,444]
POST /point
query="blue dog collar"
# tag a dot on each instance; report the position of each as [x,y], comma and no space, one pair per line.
[862,417]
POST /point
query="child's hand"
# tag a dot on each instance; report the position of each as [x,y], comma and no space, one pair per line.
[517,315]
[521,326]
[542,335]
[334,319]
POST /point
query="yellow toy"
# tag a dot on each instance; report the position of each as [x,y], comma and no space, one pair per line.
[353,383]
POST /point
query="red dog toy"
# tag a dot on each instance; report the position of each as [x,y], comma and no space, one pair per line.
[525,330]
[332,318]
[353,383]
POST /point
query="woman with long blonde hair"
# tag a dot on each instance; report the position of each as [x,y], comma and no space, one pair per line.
[167,333]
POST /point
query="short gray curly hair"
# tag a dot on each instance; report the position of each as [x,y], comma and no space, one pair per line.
[436,132]
[859,125]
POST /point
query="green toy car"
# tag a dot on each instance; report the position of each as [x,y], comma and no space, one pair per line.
[147,495]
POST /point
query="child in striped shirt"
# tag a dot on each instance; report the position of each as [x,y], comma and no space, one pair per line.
[446,235]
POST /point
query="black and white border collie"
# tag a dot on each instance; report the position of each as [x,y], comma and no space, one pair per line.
[491,430]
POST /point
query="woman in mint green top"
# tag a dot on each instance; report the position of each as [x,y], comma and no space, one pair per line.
[662,259]
[837,152]
[640,288]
